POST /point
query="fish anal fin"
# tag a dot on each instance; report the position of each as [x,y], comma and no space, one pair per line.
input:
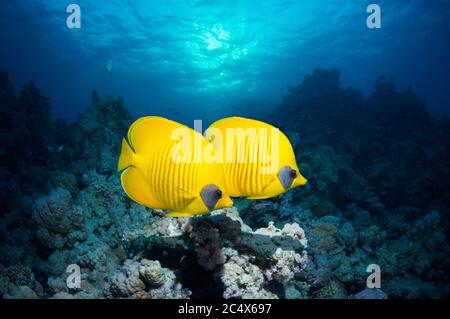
[259,197]
[178,214]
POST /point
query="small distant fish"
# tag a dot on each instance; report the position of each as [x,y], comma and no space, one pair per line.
[264,205]
[320,280]
[172,110]
[55,149]
[367,249]
[108,66]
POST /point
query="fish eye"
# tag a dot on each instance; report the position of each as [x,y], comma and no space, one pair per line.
[293,173]
[218,193]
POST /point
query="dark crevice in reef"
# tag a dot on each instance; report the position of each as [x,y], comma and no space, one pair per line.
[201,282]
[171,254]
[174,255]
[168,251]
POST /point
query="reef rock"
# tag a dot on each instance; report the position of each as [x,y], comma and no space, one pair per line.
[241,278]
[370,293]
[144,279]
[59,223]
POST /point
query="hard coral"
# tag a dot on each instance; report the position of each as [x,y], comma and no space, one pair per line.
[241,278]
[59,224]
[144,279]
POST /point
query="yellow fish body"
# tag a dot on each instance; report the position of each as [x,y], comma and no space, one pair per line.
[259,161]
[161,169]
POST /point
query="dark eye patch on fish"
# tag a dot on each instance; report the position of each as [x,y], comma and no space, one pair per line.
[293,174]
[210,195]
[286,175]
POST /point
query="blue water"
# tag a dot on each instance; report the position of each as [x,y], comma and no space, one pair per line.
[204,58]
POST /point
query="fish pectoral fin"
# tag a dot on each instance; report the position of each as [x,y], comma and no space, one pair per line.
[178,214]
[185,198]
[265,189]
[185,194]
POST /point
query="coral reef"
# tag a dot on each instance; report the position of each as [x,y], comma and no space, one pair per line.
[241,278]
[58,224]
[377,194]
[145,279]
[243,263]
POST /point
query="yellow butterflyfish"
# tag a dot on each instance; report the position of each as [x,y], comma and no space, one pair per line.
[161,169]
[259,161]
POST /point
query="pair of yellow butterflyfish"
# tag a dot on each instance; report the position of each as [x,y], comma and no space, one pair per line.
[164,164]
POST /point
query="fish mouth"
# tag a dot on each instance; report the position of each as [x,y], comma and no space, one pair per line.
[224,202]
[300,181]
[227,202]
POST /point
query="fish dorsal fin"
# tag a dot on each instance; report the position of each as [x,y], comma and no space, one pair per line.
[136,188]
[238,122]
[149,133]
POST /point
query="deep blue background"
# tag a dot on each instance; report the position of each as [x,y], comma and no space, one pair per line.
[207,59]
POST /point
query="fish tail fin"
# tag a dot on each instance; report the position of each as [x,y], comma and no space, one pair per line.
[136,187]
[132,179]
[126,156]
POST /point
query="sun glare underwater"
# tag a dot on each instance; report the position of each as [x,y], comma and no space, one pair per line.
[357,208]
